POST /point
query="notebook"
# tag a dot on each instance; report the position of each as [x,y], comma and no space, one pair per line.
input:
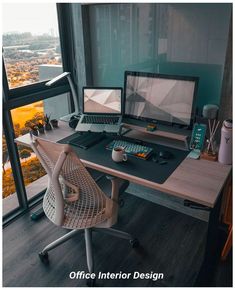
[102,110]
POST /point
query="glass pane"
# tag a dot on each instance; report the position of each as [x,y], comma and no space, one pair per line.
[32,170]
[174,39]
[30,39]
[30,117]
[10,199]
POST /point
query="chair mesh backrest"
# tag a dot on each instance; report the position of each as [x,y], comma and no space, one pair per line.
[91,205]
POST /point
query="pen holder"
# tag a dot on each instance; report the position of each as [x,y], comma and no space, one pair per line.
[54,123]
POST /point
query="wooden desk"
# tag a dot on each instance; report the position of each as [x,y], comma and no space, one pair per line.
[199,181]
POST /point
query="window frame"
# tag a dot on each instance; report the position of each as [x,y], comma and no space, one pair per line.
[24,95]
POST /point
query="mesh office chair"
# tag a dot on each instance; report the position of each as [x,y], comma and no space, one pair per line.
[74,201]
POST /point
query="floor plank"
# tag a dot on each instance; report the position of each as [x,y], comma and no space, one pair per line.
[171,243]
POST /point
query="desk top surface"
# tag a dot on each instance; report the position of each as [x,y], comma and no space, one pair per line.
[156,172]
[196,180]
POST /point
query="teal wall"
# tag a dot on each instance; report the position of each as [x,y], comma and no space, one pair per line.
[180,39]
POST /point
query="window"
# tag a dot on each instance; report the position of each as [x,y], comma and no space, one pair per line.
[24,119]
[30,39]
[31,55]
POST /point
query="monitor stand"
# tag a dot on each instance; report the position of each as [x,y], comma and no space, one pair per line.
[164,135]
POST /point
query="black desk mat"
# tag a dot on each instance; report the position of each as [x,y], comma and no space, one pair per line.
[146,169]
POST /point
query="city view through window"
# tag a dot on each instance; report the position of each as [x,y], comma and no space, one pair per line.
[30,41]
[30,38]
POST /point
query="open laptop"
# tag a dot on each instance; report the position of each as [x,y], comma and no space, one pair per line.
[102,110]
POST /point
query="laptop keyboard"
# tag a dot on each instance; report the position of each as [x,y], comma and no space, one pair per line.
[109,120]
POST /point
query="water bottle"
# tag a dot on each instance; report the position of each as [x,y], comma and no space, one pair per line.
[225,150]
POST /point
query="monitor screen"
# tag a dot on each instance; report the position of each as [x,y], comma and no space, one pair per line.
[169,99]
[102,100]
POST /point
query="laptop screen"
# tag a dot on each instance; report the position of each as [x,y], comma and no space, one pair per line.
[102,100]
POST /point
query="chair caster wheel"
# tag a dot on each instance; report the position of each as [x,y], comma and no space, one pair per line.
[44,257]
[90,282]
[134,243]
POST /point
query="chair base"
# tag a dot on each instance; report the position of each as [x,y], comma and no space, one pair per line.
[88,242]
[59,241]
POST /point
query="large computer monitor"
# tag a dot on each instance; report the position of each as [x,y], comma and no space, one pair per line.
[163,98]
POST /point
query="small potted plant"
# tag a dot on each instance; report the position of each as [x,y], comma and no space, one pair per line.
[40,127]
[47,125]
[54,123]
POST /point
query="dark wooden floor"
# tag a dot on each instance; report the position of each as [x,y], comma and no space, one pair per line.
[172,244]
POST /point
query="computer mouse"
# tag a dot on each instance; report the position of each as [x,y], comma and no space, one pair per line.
[166,155]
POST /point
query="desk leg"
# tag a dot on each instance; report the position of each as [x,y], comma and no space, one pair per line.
[212,253]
